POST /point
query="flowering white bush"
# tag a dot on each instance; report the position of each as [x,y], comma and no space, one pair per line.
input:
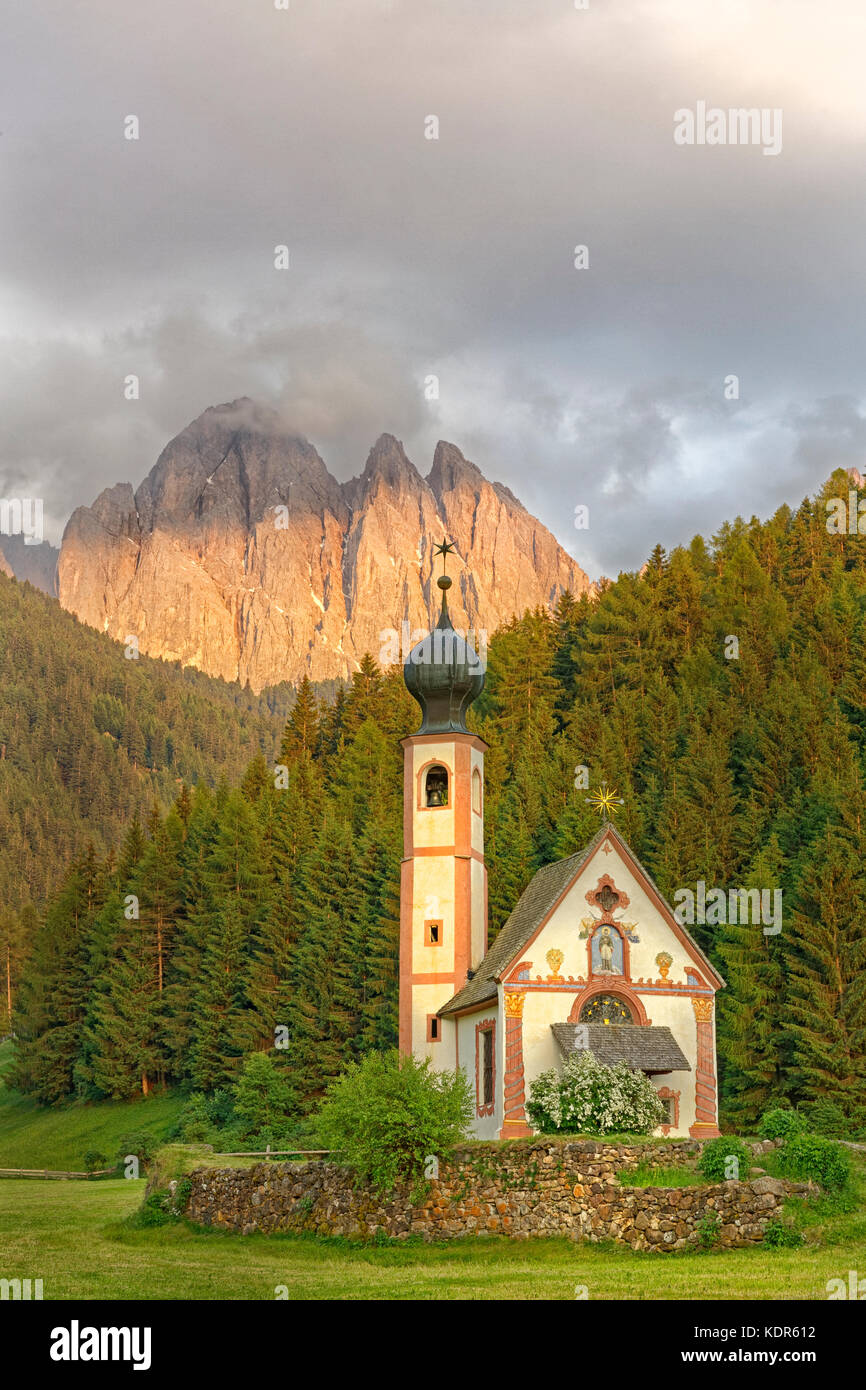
[586,1097]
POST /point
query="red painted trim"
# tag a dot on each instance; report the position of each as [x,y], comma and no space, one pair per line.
[408,817]
[433,977]
[488,1025]
[406,962]
[706,1120]
[462,921]
[666,1093]
[422,850]
[462,798]
[513,1087]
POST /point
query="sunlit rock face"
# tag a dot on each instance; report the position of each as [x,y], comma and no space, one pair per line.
[240,554]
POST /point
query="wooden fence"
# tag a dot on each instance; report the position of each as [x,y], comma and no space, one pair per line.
[52,1173]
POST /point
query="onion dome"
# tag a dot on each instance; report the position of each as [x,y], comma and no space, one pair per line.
[444,673]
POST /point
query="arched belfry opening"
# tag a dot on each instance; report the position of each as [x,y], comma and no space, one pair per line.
[436,785]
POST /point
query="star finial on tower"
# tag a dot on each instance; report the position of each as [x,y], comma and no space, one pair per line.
[443,548]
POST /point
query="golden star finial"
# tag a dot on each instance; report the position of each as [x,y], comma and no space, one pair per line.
[604,800]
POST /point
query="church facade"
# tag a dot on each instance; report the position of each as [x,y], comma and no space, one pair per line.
[591,956]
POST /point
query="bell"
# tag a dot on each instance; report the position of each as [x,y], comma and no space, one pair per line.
[434,797]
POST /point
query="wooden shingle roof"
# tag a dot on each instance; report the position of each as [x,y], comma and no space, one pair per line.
[646,1047]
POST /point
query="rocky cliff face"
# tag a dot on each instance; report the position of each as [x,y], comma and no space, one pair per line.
[241,554]
[36,563]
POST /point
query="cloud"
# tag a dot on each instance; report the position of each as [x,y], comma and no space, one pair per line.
[453,257]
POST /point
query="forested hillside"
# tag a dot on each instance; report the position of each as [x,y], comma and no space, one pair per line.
[739,764]
[89,739]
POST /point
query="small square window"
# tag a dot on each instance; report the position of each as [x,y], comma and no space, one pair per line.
[434,1028]
[433,933]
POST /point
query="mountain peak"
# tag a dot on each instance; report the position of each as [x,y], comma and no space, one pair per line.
[388,461]
[451,467]
[239,555]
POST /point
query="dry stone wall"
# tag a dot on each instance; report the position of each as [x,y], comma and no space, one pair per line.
[543,1188]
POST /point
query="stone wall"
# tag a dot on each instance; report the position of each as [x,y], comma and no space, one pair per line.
[540,1188]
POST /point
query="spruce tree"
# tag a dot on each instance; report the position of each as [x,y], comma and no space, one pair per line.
[827,968]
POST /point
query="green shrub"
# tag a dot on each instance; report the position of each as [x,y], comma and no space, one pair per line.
[195,1124]
[723,1159]
[263,1098]
[388,1113]
[779,1124]
[586,1097]
[178,1204]
[807,1157]
[825,1117]
[779,1236]
[708,1230]
[165,1205]
[143,1146]
[94,1161]
[153,1211]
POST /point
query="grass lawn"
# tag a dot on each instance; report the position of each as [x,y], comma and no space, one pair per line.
[32,1136]
[72,1235]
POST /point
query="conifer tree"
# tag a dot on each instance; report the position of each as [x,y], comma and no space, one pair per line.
[827,968]
[127,1057]
[219,1009]
[301,734]
[52,1001]
[752,1022]
[325,1011]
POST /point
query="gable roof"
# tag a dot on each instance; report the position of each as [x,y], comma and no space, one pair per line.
[535,904]
[645,1047]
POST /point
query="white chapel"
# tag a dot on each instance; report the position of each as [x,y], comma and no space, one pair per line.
[590,942]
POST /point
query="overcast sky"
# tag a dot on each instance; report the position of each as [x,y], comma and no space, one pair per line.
[411,257]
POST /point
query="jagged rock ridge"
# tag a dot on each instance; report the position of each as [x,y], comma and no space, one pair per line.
[36,563]
[240,553]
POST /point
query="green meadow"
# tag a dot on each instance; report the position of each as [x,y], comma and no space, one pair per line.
[34,1136]
[74,1236]
[79,1237]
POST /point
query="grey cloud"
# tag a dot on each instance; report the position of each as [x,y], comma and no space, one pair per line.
[452,257]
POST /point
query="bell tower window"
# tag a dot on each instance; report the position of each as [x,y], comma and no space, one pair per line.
[476,792]
[436,785]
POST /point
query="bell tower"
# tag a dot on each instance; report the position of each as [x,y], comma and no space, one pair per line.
[443,886]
